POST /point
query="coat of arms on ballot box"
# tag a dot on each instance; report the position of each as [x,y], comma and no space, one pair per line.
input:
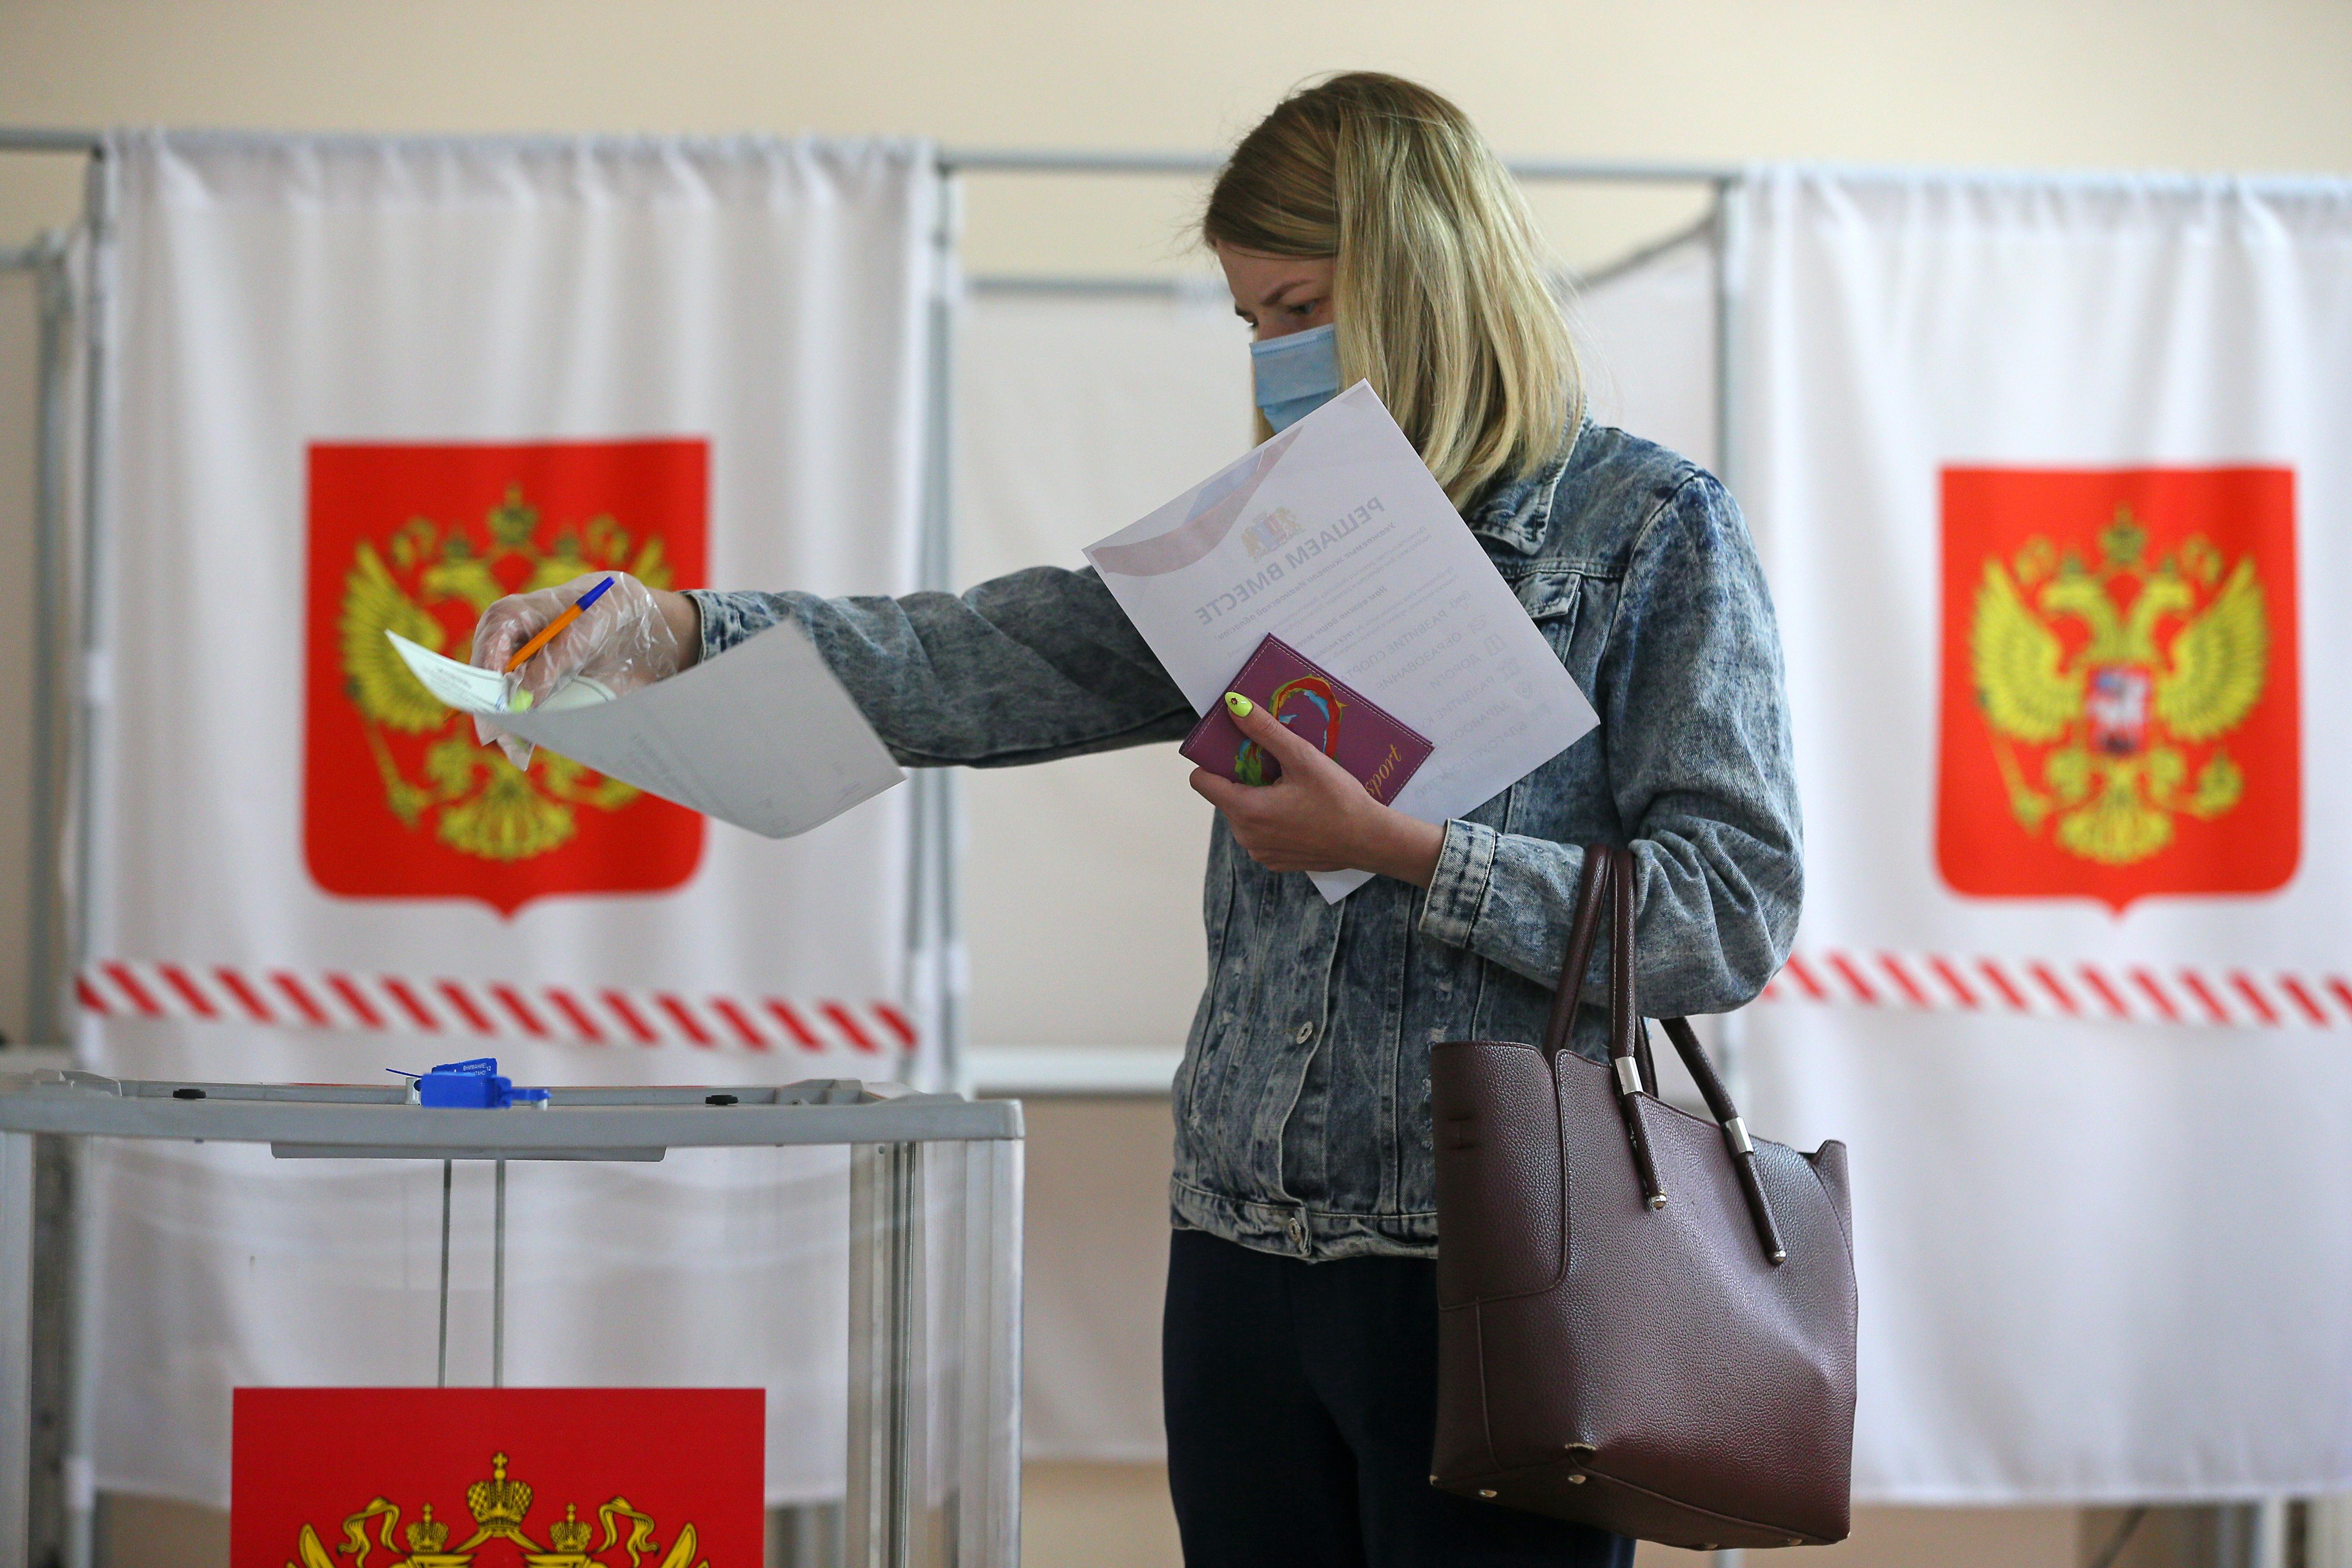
[398,800]
[488,1477]
[2121,707]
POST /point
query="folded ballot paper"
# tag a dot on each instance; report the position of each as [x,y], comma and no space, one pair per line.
[763,736]
[1333,538]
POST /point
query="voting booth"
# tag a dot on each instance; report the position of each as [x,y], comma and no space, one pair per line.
[315,286]
[2098,390]
[414,375]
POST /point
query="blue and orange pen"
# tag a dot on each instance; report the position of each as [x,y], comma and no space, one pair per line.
[547,633]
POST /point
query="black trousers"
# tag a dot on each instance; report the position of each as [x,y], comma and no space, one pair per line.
[1300,1400]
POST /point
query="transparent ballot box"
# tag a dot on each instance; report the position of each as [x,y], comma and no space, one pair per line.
[931,1224]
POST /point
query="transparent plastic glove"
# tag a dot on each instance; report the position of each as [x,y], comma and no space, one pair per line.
[622,641]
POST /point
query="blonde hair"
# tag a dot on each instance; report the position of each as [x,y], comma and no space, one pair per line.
[1439,285]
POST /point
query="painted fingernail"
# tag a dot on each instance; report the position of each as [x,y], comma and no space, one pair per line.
[1242,706]
[522,703]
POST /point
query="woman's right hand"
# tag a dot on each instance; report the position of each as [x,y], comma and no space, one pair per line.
[631,636]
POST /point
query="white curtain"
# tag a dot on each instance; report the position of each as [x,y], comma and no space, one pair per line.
[1076,415]
[2009,444]
[319,345]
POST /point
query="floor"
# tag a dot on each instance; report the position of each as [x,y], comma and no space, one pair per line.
[1116,1516]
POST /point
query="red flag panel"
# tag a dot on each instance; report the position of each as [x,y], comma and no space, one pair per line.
[2121,697]
[549,1478]
[419,539]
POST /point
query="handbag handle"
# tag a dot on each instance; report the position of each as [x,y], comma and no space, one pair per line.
[1609,878]
[1591,891]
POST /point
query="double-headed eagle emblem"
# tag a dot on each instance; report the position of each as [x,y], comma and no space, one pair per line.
[499,1506]
[475,801]
[2126,677]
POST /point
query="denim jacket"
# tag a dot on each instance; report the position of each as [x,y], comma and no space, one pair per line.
[1302,1106]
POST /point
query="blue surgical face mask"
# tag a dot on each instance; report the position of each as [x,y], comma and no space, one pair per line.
[1296,373]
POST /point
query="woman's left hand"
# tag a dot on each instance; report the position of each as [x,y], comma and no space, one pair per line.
[1316,816]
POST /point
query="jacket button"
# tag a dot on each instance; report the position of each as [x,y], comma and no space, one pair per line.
[1305,1033]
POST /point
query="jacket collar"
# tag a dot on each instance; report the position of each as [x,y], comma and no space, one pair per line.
[1518,512]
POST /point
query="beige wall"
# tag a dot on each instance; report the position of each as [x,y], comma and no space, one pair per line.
[2255,84]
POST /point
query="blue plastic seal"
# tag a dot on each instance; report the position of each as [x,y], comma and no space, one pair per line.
[473,1085]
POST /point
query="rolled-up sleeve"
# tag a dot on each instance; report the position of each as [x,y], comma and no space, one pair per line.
[1023,669]
[1699,763]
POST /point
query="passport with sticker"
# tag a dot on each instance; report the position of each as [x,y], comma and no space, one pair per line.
[1351,729]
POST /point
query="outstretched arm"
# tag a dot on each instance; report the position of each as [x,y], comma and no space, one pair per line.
[1025,669]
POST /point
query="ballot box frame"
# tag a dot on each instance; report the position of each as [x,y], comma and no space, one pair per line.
[934,1221]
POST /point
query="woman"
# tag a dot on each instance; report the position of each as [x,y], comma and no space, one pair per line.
[1366,230]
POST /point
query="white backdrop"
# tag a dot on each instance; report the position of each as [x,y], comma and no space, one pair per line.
[1075,416]
[2098,1261]
[766,298]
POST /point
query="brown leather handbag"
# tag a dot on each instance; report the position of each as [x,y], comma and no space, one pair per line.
[1644,1322]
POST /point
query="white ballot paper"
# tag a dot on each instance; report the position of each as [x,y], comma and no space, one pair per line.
[1333,537]
[763,736]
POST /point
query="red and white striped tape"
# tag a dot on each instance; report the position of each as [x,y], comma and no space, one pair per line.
[2151,993]
[493,1010]
[489,1010]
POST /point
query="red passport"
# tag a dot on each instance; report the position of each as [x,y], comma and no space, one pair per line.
[1352,730]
